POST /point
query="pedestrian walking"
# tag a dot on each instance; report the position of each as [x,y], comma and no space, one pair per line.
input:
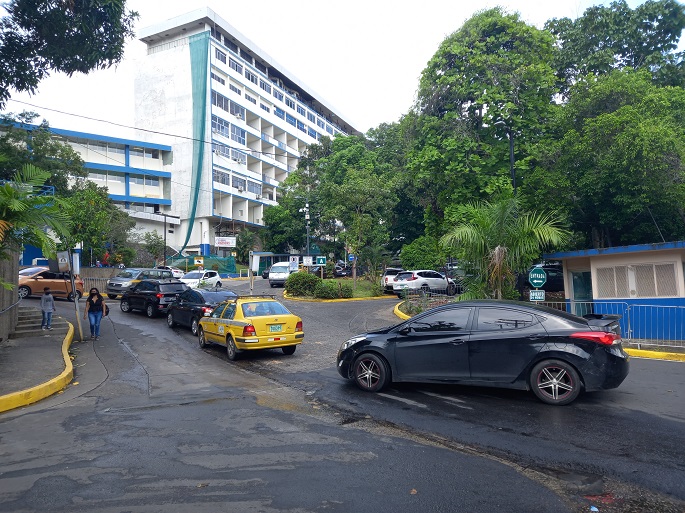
[95,310]
[47,307]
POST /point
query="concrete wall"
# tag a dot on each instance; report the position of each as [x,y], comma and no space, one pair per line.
[9,270]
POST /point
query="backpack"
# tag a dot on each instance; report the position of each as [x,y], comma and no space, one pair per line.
[106,310]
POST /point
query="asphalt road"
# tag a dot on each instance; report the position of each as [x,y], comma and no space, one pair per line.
[154,423]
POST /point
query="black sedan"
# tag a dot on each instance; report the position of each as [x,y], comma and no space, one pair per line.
[194,304]
[506,344]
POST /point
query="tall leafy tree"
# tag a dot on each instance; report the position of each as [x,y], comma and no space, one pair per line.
[607,38]
[495,240]
[615,161]
[40,37]
[490,83]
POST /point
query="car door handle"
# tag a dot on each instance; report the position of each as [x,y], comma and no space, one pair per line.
[457,342]
[536,337]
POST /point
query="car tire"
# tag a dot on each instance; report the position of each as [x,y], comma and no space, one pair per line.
[555,382]
[150,310]
[24,292]
[371,372]
[231,349]
[202,339]
[194,326]
[112,296]
[125,306]
[288,350]
[425,290]
[399,296]
[451,289]
[170,320]
[218,284]
[71,296]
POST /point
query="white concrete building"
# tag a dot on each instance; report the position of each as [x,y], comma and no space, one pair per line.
[239,124]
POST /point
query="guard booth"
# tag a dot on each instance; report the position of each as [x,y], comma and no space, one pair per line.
[644,283]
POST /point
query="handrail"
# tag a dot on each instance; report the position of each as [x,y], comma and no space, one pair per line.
[11,306]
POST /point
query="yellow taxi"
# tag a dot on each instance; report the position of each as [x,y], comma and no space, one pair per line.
[246,323]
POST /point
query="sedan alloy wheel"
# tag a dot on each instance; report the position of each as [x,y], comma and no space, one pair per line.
[555,382]
[370,372]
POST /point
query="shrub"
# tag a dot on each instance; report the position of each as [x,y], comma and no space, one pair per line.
[346,290]
[326,290]
[301,284]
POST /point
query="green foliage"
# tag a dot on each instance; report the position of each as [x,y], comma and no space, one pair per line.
[27,213]
[302,284]
[607,38]
[38,37]
[154,244]
[496,240]
[28,144]
[245,242]
[332,290]
[423,253]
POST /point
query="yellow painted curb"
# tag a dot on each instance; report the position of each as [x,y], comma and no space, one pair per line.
[340,300]
[656,355]
[400,314]
[52,386]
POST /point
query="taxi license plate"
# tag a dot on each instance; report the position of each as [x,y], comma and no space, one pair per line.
[275,328]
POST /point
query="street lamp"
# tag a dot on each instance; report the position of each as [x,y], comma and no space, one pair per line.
[306,217]
[159,212]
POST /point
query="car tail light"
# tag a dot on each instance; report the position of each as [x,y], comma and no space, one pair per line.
[207,309]
[412,278]
[248,330]
[298,326]
[159,296]
[600,337]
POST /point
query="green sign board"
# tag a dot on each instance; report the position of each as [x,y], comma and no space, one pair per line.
[537,295]
[537,277]
[321,260]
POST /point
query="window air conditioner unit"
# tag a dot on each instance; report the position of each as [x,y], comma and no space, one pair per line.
[236,160]
[240,189]
[238,116]
[259,196]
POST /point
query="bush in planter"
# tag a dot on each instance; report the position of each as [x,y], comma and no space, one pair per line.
[301,284]
[326,290]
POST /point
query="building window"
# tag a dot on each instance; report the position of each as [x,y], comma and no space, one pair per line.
[311,117]
[216,35]
[264,85]
[320,123]
[235,65]
[116,178]
[290,103]
[238,183]
[239,156]
[97,176]
[220,55]
[255,188]
[250,99]
[221,149]
[301,111]
[329,129]
[264,107]
[290,119]
[220,101]
[220,125]
[152,181]
[640,280]
[261,67]
[237,110]
[277,94]
[246,55]
[221,177]
[235,89]
[217,78]
[300,126]
[237,134]
[311,132]
[251,76]
[279,112]
[151,154]
[231,45]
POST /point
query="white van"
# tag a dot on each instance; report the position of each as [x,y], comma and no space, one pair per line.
[278,273]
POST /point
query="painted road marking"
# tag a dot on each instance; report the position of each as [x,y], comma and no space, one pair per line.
[452,400]
[402,400]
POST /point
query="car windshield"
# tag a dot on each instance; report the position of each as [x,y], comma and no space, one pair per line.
[31,271]
[218,297]
[167,288]
[258,308]
[280,269]
[127,274]
[193,275]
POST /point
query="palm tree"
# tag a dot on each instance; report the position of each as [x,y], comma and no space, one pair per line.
[27,214]
[496,240]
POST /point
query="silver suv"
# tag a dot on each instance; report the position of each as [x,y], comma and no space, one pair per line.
[129,277]
[388,276]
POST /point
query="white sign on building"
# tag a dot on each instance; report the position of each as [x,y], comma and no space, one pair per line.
[225,242]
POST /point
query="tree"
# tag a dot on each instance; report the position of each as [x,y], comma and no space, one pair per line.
[614,161]
[613,37]
[39,37]
[95,221]
[489,84]
[423,253]
[495,240]
[21,142]
[245,242]
[28,212]
[154,244]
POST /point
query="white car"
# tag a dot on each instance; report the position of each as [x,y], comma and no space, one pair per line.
[202,279]
[422,281]
[279,273]
[177,273]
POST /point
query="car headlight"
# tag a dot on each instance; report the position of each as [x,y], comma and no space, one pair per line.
[349,343]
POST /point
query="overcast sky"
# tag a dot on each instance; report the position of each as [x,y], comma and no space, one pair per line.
[363,57]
